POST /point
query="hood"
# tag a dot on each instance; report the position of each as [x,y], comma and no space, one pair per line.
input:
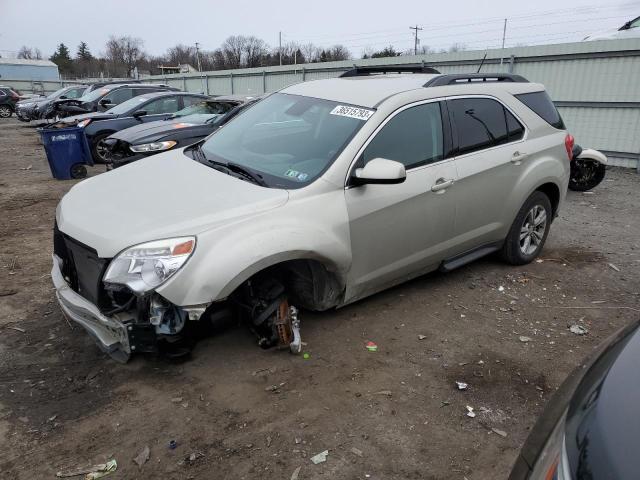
[85,116]
[148,132]
[163,196]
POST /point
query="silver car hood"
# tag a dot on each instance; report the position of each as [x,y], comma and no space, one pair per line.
[162,196]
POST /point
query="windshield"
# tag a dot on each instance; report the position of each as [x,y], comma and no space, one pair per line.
[96,94]
[206,107]
[57,93]
[289,140]
[130,104]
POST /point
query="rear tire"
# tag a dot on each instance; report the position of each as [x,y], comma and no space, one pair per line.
[529,230]
[586,174]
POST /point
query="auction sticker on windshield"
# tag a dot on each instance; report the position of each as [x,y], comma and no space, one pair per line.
[352,112]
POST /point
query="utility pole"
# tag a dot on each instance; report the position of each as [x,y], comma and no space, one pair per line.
[504,35]
[198,56]
[415,43]
[200,66]
[280,46]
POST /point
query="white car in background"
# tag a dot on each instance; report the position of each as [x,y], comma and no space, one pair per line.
[630,29]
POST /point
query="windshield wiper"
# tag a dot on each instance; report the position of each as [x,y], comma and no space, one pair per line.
[256,177]
[230,167]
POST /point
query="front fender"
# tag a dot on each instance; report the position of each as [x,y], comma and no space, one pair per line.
[228,256]
[591,154]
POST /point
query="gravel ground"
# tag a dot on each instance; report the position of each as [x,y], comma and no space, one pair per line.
[237,411]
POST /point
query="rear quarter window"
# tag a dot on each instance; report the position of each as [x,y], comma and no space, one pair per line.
[541,104]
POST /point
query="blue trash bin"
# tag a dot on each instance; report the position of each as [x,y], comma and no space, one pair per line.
[67,152]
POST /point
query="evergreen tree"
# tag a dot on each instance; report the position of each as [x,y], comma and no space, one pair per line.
[62,58]
[83,53]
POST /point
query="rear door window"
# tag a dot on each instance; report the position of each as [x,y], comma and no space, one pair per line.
[162,105]
[483,123]
[119,95]
[541,104]
[413,137]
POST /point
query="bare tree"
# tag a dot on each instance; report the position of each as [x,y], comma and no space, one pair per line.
[310,52]
[181,54]
[255,50]
[123,53]
[233,48]
[29,53]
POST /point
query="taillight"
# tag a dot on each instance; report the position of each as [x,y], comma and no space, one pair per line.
[568,144]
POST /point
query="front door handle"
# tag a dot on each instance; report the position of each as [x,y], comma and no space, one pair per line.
[441,184]
[518,157]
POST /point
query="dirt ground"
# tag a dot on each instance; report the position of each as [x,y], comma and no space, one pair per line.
[240,412]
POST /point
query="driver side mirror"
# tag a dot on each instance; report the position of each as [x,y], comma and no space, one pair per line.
[105,102]
[139,113]
[63,97]
[379,171]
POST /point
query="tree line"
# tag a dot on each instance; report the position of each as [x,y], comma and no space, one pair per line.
[125,56]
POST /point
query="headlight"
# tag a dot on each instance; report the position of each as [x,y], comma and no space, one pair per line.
[84,123]
[552,463]
[148,265]
[152,147]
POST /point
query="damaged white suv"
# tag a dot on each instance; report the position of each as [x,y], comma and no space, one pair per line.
[319,195]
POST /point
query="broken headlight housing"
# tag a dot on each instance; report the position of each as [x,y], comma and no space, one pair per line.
[152,147]
[146,266]
[84,123]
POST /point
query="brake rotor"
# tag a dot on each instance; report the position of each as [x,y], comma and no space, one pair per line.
[283,324]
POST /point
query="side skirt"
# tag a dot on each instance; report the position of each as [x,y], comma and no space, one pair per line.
[470,256]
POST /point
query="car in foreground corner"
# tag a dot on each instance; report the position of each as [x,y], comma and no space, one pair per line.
[590,428]
[182,129]
[315,197]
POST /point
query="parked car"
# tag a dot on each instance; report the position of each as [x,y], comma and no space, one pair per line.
[630,29]
[104,98]
[36,108]
[139,110]
[8,100]
[315,197]
[186,127]
[590,427]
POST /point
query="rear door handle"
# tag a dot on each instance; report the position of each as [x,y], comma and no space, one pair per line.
[517,157]
[441,184]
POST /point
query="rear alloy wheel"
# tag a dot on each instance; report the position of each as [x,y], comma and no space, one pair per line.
[5,111]
[529,230]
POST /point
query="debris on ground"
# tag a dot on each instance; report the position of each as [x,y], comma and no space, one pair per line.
[176,400]
[296,473]
[524,339]
[470,412]
[501,288]
[306,356]
[386,393]
[21,330]
[613,267]
[421,337]
[462,385]
[172,444]
[91,473]
[502,433]
[275,388]
[194,456]
[578,329]
[142,457]
[372,347]
[356,451]
[320,457]
[28,167]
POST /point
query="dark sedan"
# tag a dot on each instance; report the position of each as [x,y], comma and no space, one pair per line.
[103,98]
[591,429]
[135,111]
[180,130]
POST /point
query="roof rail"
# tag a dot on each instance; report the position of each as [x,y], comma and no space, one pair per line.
[363,71]
[461,78]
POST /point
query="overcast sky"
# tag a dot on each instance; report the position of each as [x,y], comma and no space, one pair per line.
[356,24]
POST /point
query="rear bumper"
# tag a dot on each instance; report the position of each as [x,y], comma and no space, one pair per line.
[110,333]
